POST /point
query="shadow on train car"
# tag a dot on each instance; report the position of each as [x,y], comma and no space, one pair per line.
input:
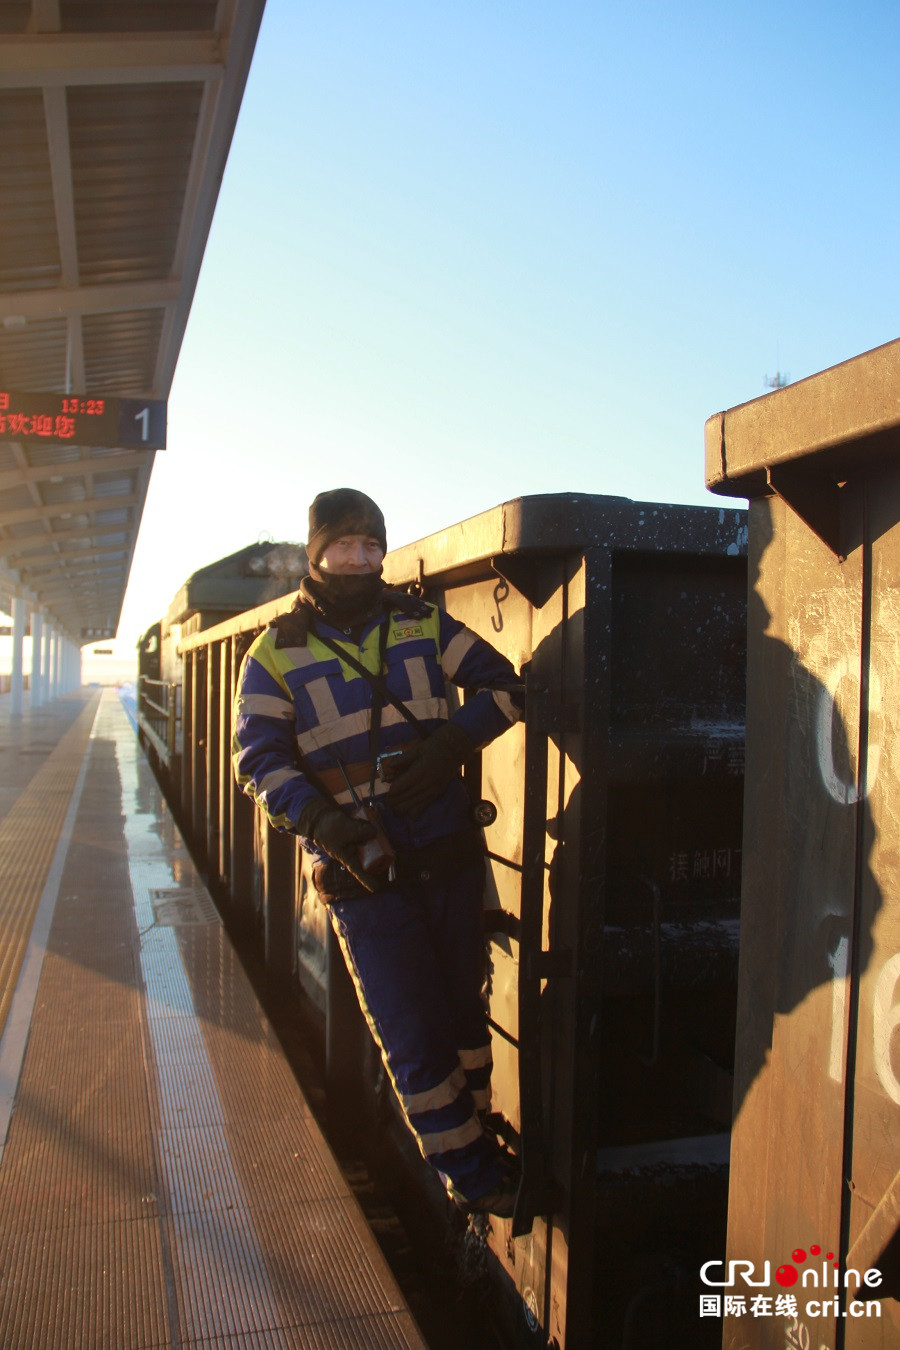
[612,903]
[814,907]
[814,1182]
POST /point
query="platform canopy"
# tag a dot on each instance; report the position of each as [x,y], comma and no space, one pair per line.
[115,125]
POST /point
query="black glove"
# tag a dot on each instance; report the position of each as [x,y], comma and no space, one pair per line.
[340,836]
[428,768]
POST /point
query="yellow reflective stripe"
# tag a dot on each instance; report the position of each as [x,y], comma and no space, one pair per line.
[457,647]
[322,699]
[352,724]
[263,651]
[475,1059]
[445,1140]
[263,705]
[367,655]
[281,822]
[442,1095]
[417,674]
[360,993]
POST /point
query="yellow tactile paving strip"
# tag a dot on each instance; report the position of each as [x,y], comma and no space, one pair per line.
[29,834]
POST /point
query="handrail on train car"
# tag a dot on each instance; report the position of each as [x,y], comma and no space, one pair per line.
[148,702]
[252,620]
[539,1193]
[167,713]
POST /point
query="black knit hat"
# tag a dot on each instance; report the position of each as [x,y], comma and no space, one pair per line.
[338,512]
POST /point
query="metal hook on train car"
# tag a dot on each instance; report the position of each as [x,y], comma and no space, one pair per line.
[501,591]
[417,587]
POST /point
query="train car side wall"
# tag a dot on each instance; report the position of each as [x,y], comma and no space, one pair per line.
[815,1161]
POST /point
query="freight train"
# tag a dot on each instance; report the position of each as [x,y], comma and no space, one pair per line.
[612,902]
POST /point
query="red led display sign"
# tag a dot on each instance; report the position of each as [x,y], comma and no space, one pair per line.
[83,419]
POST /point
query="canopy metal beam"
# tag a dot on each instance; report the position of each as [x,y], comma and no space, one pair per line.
[57,60]
[114,148]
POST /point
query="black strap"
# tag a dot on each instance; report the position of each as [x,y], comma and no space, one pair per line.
[377,706]
[378,682]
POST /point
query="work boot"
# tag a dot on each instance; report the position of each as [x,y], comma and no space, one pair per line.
[501,1202]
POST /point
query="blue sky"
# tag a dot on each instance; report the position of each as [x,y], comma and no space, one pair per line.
[469,251]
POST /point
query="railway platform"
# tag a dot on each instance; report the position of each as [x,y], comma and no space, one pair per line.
[163,1182]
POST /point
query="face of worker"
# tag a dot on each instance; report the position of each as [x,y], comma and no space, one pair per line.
[351,554]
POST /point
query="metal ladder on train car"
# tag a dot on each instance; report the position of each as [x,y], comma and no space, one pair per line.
[539,1193]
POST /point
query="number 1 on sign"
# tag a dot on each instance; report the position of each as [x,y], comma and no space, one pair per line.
[144,418]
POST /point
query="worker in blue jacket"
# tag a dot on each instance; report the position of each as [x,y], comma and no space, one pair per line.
[351,681]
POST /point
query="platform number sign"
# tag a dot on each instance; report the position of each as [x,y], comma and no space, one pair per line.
[82,419]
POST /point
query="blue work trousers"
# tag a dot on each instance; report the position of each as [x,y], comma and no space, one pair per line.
[417,955]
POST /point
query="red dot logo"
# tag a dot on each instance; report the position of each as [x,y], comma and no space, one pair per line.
[786,1276]
[798,1254]
[814,1251]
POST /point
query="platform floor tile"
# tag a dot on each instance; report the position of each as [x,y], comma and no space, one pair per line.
[163,1181]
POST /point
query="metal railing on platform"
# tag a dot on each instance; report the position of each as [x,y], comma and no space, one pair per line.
[159,716]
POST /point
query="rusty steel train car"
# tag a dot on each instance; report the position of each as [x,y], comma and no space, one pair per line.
[611,909]
[814,1207]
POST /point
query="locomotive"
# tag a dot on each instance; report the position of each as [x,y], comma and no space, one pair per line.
[253,575]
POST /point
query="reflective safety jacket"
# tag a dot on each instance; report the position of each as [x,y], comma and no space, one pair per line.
[301,708]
